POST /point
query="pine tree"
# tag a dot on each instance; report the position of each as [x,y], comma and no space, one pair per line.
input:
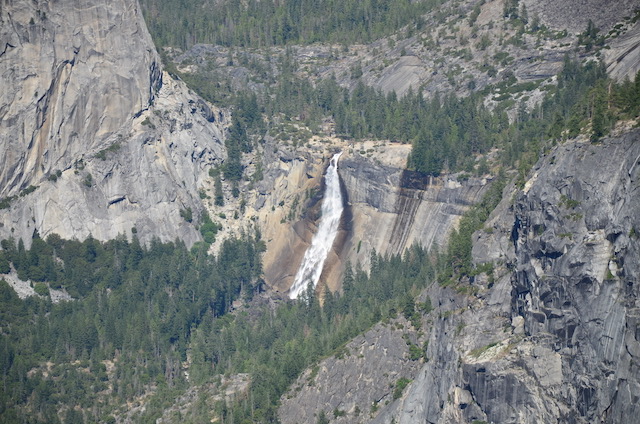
[219,195]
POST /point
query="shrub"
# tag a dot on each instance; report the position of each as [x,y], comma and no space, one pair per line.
[401,384]
[41,289]
[187,214]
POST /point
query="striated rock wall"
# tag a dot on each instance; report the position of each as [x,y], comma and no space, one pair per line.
[72,73]
[623,55]
[394,208]
[555,337]
[386,208]
[88,118]
[551,333]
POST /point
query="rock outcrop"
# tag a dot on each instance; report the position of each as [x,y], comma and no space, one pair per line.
[554,339]
[623,56]
[394,208]
[352,385]
[575,16]
[551,333]
[89,120]
[387,208]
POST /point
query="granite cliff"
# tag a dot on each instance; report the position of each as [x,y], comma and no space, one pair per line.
[387,208]
[550,334]
[95,138]
[99,140]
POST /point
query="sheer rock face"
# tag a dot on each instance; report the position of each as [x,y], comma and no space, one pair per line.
[79,77]
[555,339]
[387,209]
[394,208]
[553,334]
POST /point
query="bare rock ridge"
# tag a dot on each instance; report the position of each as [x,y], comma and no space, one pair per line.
[89,120]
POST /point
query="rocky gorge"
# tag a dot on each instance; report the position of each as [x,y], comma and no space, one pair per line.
[387,209]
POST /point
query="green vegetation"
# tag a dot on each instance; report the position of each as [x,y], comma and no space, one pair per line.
[5,202]
[590,38]
[147,122]
[88,180]
[447,133]
[55,175]
[41,289]
[135,309]
[456,263]
[28,190]
[568,203]
[322,418]
[278,345]
[102,154]
[219,195]
[209,229]
[143,314]
[186,214]
[415,352]
[401,384]
[479,351]
[257,23]
[143,308]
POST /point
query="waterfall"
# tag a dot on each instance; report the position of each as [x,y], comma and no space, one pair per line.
[313,262]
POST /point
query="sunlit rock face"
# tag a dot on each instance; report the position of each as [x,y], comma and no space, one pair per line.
[310,269]
[87,117]
[386,210]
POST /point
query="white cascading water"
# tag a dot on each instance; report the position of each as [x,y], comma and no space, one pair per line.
[313,262]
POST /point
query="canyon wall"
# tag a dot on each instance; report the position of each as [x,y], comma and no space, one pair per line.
[387,208]
[95,138]
[550,334]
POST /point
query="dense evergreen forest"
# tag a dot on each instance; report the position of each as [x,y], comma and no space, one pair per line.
[141,312]
[256,23]
[135,308]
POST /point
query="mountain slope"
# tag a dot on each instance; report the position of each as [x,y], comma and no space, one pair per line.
[543,329]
